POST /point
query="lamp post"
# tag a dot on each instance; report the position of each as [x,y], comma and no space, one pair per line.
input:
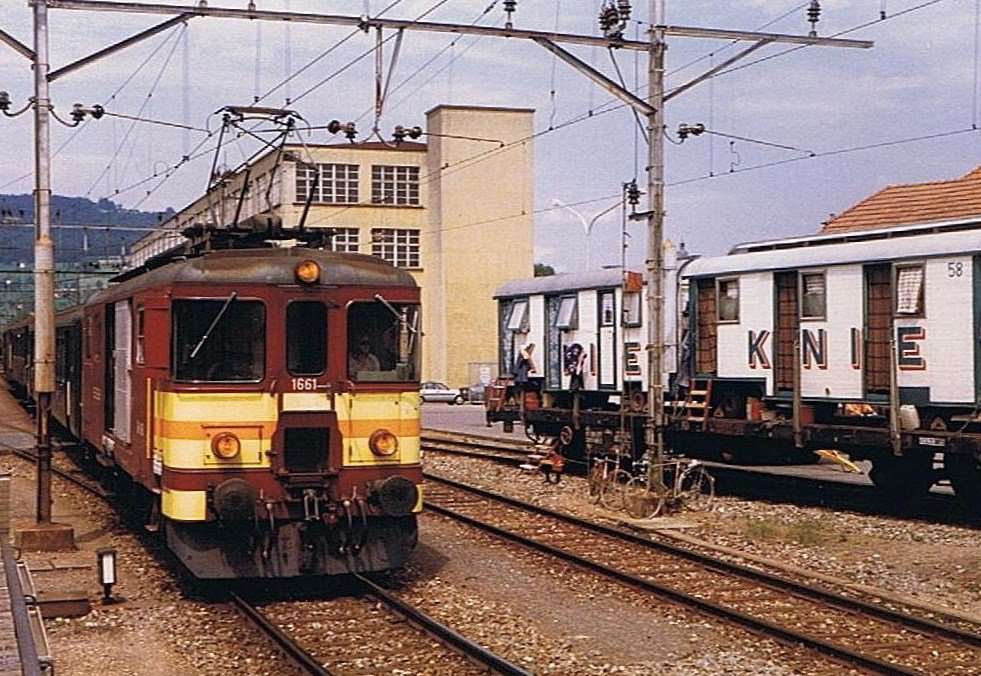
[587,226]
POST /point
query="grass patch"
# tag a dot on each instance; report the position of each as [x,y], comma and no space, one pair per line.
[809,532]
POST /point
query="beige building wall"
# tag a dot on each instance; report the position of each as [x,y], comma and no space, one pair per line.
[481,229]
[475,219]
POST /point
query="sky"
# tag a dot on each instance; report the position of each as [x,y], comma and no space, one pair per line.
[795,135]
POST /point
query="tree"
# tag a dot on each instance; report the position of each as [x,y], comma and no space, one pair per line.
[543,270]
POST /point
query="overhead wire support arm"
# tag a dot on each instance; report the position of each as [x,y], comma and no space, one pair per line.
[712,71]
[122,44]
[606,83]
[16,45]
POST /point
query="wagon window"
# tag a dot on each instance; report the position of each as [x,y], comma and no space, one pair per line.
[728,293]
[383,341]
[219,340]
[306,338]
[140,335]
[909,290]
[632,308]
[518,316]
[568,317]
[813,295]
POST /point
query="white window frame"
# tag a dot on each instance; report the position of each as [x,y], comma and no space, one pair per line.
[518,317]
[395,185]
[905,304]
[633,308]
[331,183]
[398,246]
[567,317]
[345,240]
[722,291]
[803,281]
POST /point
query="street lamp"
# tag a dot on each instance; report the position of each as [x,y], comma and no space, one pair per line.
[587,226]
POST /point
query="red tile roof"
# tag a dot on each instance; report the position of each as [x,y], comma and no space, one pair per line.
[913,203]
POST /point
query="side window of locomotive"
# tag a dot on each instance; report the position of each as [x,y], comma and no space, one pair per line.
[219,340]
[382,341]
[140,335]
[306,338]
[813,295]
[728,294]
[909,291]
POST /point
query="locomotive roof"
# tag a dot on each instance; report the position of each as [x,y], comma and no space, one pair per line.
[272,266]
[811,253]
[569,281]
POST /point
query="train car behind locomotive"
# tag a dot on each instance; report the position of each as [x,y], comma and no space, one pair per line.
[236,388]
[866,342]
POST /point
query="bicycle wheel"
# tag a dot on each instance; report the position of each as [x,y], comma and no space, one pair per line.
[611,495]
[595,483]
[697,489]
[640,500]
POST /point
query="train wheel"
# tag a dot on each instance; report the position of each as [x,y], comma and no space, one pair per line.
[965,476]
[904,480]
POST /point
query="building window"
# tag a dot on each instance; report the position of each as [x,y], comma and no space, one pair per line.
[394,185]
[330,183]
[344,240]
[909,290]
[567,317]
[813,296]
[728,294]
[398,247]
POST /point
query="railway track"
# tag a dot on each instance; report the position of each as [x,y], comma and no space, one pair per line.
[369,631]
[739,481]
[846,629]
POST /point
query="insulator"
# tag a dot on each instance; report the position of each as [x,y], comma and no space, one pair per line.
[415,132]
[4,101]
[633,193]
[98,111]
[814,15]
[624,8]
[510,5]
[78,112]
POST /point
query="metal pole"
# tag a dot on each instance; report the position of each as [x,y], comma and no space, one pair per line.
[655,259]
[44,339]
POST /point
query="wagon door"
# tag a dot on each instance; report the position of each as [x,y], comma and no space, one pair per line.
[122,339]
[878,320]
[607,340]
[707,327]
[788,325]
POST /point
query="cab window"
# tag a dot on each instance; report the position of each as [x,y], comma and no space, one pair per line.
[383,341]
[219,340]
[306,338]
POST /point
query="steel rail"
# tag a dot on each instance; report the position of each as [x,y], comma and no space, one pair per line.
[471,650]
[284,643]
[754,623]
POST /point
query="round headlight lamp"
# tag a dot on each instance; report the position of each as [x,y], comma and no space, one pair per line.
[383,443]
[225,446]
[308,271]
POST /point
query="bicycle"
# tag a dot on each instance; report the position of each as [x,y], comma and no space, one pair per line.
[606,480]
[685,483]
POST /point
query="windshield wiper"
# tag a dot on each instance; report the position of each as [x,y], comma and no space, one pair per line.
[214,323]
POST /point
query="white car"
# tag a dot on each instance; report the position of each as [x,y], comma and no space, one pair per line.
[433,391]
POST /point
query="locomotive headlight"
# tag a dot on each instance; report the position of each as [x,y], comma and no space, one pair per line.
[308,271]
[226,446]
[383,442]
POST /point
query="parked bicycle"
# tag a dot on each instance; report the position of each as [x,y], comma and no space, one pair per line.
[606,481]
[684,483]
